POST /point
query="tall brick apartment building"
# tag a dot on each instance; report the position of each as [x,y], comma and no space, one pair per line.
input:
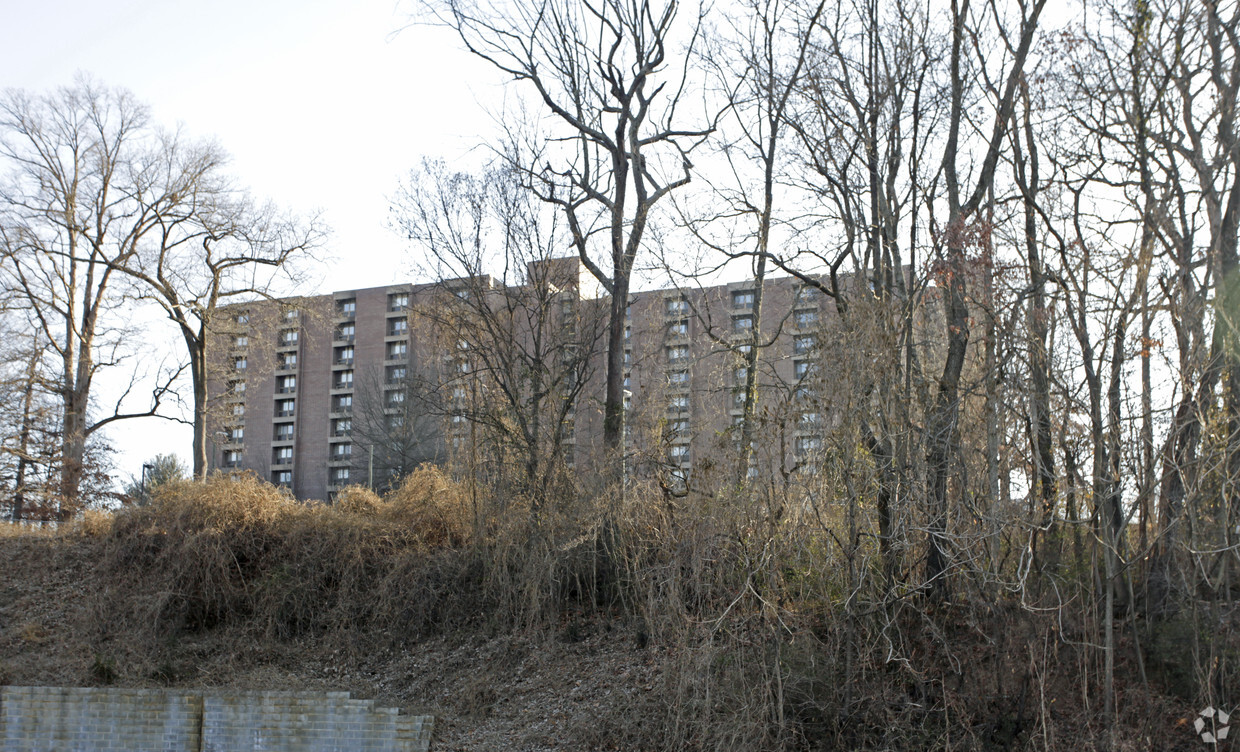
[288,379]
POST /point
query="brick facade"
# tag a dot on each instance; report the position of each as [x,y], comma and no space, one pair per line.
[684,371]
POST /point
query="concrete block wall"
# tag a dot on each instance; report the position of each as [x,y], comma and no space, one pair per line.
[80,719]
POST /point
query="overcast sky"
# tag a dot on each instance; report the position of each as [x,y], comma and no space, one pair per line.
[321,103]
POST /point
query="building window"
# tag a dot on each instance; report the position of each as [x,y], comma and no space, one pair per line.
[232,458]
[678,404]
[742,324]
[738,399]
[342,403]
[628,332]
[290,314]
[288,337]
[807,295]
[344,356]
[282,456]
[343,380]
[458,394]
[285,407]
[678,427]
[282,477]
[237,387]
[395,422]
[458,420]
[340,476]
[807,444]
[238,409]
[342,427]
[740,376]
[397,350]
[806,319]
[395,374]
[345,332]
[287,362]
[398,301]
[395,398]
[286,384]
[803,369]
[241,340]
[462,366]
[678,328]
[283,432]
[347,307]
[239,364]
[342,451]
[677,307]
[803,343]
[677,353]
[234,435]
[678,378]
[398,327]
[678,454]
[742,299]
[809,418]
[242,318]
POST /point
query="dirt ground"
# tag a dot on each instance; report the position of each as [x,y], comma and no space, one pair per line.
[588,687]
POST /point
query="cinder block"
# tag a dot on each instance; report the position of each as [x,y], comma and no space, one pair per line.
[89,719]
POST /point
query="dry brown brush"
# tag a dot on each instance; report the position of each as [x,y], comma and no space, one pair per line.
[775,619]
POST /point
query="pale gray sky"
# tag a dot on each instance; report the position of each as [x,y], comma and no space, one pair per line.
[322,105]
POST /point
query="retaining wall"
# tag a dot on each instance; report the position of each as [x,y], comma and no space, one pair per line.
[83,719]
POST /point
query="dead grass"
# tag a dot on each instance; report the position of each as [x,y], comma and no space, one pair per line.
[720,623]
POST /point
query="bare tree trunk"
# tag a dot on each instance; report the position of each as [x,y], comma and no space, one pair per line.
[1045,488]
[23,441]
[198,376]
[941,421]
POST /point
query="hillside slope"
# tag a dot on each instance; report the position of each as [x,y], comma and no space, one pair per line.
[586,687]
[543,631]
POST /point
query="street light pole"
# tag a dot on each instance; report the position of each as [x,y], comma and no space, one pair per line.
[146,467]
[219,438]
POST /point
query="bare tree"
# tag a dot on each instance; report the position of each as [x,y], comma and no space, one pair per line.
[758,67]
[214,248]
[398,424]
[99,191]
[27,421]
[79,198]
[612,75]
[866,115]
[963,204]
[523,339]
